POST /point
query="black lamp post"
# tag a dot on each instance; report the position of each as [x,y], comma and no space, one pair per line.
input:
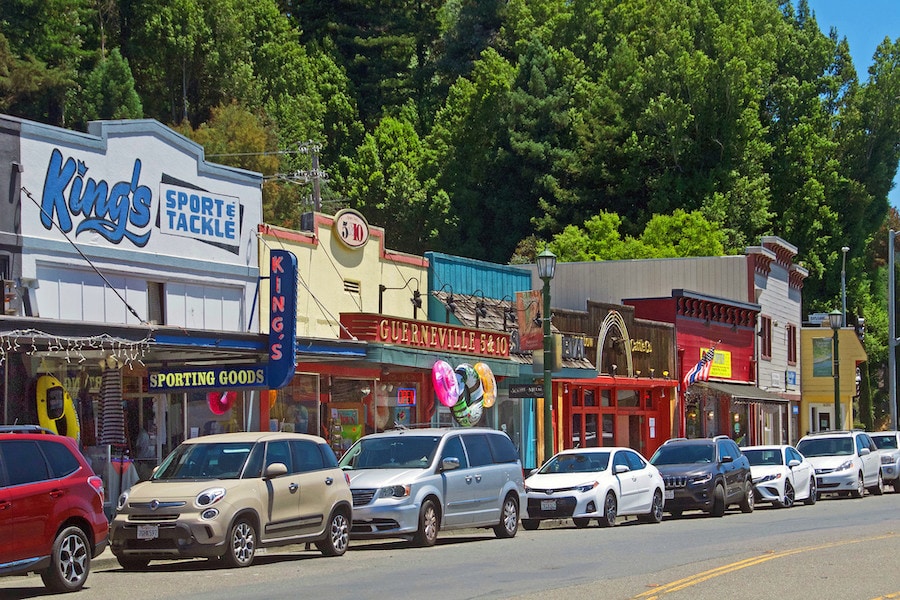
[546,268]
[835,318]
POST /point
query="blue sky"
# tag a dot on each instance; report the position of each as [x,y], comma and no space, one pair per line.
[864,23]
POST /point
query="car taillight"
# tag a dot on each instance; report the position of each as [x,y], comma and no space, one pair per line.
[97,484]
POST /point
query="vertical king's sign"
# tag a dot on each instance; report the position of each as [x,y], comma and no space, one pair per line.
[282,318]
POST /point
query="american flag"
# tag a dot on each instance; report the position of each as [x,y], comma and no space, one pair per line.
[700,372]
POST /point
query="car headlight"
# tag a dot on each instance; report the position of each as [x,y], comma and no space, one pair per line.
[699,479]
[209,497]
[845,465]
[768,478]
[586,487]
[887,460]
[122,501]
[394,491]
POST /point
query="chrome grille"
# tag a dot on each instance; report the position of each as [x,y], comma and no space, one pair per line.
[675,481]
[363,497]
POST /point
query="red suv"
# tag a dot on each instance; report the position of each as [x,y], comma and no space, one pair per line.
[51,508]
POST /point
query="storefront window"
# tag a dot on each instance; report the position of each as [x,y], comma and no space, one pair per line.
[589,398]
[608,430]
[591,433]
[606,397]
[296,407]
[627,398]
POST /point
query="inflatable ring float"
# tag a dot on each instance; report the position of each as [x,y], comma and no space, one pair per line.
[488,382]
[445,382]
[221,402]
[55,408]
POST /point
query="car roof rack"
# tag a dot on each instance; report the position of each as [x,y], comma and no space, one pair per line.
[834,431]
[25,429]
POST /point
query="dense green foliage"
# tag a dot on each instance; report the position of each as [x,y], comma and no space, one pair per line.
[606,128]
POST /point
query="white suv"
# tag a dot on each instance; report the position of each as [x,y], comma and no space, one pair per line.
[888,443]
[846,462]
[413,483]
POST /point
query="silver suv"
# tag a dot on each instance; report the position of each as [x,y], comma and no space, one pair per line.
[846,462]
[413,483]
[888,443]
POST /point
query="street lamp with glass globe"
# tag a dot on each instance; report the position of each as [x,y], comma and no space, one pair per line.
[835,318]
[546,268]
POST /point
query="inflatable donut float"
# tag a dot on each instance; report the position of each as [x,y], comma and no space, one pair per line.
[446,383]
[488,382]
[221,402]
[469,377]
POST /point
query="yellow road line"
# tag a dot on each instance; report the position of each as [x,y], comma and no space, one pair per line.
[686,582]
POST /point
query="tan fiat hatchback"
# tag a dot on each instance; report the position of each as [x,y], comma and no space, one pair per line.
[225,496]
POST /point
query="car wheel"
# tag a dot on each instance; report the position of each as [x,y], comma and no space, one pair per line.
[241,546]
[337,537]
[428,525]
[813,492]
[581,523]
[897,486]
[70,561]
[718,506]
[860,487]
[132,563]
[656,509]
[610,506]
[878,489]
[787,500]
[749,500]
[509,519]
[531,524]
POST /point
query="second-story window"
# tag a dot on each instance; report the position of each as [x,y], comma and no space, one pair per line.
[792,344]
[765,338]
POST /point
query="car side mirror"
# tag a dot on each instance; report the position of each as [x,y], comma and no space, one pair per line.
[622,469]
[276,470]
[449,463]
[864,451]
[532,472]
[727,459]
[793,463]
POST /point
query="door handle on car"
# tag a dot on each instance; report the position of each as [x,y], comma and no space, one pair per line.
[478,478]
[57,493]
[468,479]
[5,504]
[293,487]
[329,480]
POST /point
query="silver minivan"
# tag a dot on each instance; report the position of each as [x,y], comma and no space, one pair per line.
[412,483]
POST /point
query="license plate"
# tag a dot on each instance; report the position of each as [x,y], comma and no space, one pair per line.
[147,532]
[670,494]
[548,505]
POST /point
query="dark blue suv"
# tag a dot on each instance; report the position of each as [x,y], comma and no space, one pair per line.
[707,474]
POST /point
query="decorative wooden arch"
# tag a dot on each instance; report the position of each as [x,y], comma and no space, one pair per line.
[615,322]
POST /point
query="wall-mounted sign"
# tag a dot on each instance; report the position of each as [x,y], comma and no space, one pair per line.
[200,215]
[351,228]
[425,335]
[526,390]
[573,347]
[282,318]
[208,378]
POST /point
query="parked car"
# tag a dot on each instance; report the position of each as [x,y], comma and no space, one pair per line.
[888,443]
[781,475]
[51,508]
[594,483]
[846,462]
[227,495]
[707,474]
[413,483]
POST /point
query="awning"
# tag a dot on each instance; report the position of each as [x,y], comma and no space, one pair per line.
[423,359]
[737,390]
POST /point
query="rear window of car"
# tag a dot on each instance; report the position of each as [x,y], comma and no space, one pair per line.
[478,449]
[502,448]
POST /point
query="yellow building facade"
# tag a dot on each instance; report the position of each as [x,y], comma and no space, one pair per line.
[817,377]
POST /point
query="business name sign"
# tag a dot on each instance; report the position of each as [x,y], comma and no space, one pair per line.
[282,318]
[526,390]
[200,215]
[208,378]
[427,335]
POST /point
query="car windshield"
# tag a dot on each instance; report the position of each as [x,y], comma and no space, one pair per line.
[826,446]
[682,454]
[407,452]
[759,458]
[885,442]
[577,463]
[205,461]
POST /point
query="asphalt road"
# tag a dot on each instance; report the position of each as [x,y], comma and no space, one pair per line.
[839,548]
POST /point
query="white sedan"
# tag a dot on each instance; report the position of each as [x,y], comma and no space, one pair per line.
[594,483]
[781,475]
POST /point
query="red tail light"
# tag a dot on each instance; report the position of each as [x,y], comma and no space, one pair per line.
[97,484]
